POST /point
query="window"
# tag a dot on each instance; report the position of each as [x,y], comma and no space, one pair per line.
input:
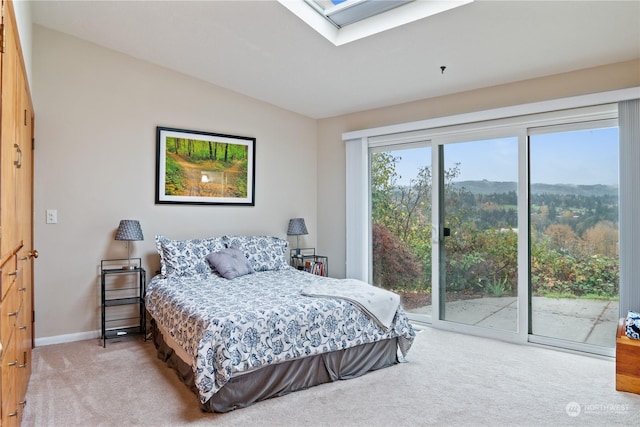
[345,21]
[345,12]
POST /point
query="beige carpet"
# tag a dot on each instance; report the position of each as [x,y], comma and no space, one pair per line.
[450,379]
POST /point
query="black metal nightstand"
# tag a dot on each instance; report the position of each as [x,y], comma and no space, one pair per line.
[122,299]
[306,259]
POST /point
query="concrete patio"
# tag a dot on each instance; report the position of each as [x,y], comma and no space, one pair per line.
[582,320]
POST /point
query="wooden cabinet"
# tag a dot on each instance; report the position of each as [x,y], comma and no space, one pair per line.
[627,361]
[16,224]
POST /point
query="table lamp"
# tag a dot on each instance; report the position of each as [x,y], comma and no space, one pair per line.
[129,230]
[297,228]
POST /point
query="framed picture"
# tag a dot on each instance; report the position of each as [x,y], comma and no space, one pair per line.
[203,168]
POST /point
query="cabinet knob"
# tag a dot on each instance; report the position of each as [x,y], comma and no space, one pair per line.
[33,253]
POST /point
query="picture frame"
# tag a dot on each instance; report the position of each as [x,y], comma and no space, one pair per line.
[204,168]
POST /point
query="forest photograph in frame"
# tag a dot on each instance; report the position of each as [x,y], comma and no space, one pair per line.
[194,167]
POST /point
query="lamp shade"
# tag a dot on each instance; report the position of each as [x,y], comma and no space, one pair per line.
[297,227]
[129,229]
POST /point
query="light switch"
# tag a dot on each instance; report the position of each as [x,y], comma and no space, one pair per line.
[52,216]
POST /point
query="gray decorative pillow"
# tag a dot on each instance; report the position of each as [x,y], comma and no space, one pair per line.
[264,253]
[230,263]
[186,257]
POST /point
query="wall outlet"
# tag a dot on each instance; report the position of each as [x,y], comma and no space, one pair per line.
[52,216]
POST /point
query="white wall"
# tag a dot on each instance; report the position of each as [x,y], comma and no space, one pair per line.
[96,114]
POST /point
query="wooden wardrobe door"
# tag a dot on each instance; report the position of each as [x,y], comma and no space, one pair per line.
[16,224]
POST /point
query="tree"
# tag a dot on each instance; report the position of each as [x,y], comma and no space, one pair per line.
[602,239]
[383,184]
[404,211]
[394,266]
[561,237]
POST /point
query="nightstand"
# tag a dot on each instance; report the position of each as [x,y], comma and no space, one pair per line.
[307,260]
[122,299]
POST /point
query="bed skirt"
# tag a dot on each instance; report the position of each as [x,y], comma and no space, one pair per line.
[283,378]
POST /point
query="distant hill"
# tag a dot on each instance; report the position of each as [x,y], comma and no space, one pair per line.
[487,187]
[491,187]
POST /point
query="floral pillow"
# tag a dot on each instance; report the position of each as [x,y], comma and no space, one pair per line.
[263,252]
[186,257]
[633,325]
[230,263]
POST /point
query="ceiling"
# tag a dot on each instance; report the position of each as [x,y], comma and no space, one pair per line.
[262,50]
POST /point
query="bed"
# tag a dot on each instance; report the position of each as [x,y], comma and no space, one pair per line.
[239,325]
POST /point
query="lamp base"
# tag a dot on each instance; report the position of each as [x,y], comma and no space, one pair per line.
[129,266]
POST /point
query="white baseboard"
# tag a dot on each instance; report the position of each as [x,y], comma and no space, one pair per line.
[59,339]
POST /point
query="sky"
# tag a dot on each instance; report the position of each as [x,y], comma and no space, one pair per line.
[584,157]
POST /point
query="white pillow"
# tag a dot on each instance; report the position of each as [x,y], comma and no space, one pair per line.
[263,252]
[186,257]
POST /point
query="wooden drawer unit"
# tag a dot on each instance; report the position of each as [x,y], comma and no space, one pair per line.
[8,276]
[9,307]
[9,362]
[627,361]
[23,349]
[10,316]
[24,325]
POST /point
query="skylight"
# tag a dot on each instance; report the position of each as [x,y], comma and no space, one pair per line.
[344,21]
[345,12]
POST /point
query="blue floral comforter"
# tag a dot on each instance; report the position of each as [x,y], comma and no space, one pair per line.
[235,326]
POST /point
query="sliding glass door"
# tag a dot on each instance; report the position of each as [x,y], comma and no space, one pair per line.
[574,264]
[478,213]
[401,224]
[510,232]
